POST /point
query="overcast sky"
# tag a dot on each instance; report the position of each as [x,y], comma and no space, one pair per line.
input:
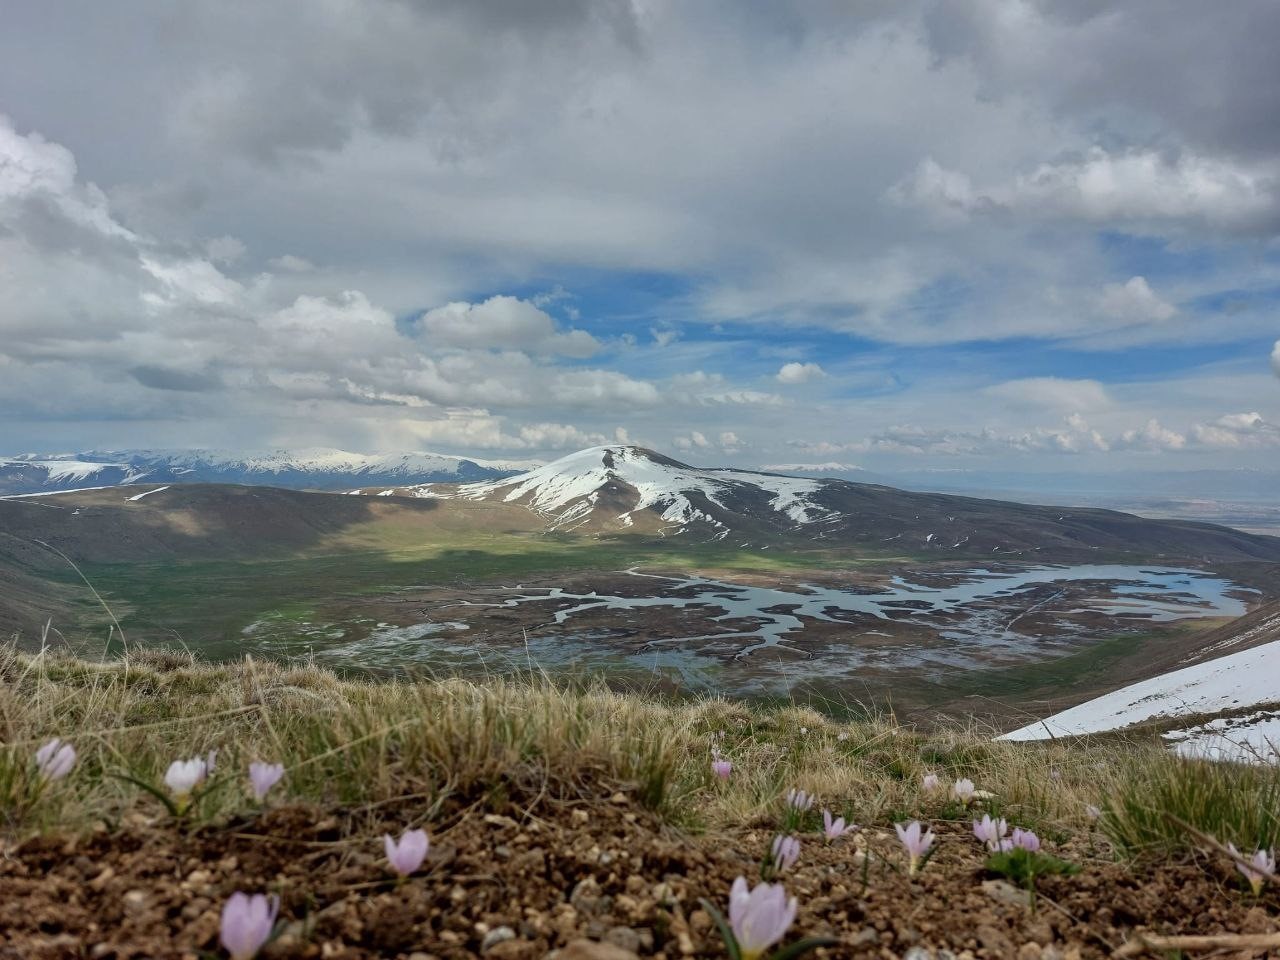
[952,234]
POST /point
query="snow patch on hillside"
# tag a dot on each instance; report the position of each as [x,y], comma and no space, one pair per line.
[567,490]
[1254,738]
[1234,682]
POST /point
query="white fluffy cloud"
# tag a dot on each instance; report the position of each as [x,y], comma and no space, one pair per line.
[503,323]
[1135,302]
[1103,186]
[1236,431]
[1153,436]
[794,372]
[1054,393]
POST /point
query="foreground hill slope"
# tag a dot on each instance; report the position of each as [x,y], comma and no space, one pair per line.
[578,820]
[1224,702]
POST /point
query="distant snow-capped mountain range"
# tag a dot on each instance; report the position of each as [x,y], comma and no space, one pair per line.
[313,469]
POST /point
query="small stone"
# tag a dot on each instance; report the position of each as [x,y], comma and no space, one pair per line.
[623,937]
[135,901]
[590,950]
[102,879]
[1029,951]
[618,798]
[995,941]
[578,815]
[1002,891]
[496,936]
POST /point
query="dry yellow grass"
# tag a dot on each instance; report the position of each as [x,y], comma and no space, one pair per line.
[360,743]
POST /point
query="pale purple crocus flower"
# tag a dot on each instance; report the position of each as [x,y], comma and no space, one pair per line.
[264,776]
[759,918]
[1263,868]
[917,842]
[406,856]
[786,851]
[1025,839]
[55,759]
[798,800]
[963,791]
[992,832]
[247,923]
[834,829]
[842,737]
[183,776]
[721,768]
[930,783]
[1092,812]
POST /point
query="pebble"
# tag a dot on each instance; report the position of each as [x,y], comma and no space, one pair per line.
[496,936]
[623,937]
[590,950]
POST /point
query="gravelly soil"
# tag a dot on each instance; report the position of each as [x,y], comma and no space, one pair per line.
[604,870]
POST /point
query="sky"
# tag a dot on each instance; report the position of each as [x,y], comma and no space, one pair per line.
[1004,235]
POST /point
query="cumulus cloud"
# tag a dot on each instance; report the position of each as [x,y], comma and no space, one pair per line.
[1152,436]
[1055,393]
[1135,302]
[794,372]
[288,263]
[136,327]
[1137,185]
[503,323]
[1236,431]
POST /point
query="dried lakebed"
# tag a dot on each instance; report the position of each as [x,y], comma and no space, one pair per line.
[754,638]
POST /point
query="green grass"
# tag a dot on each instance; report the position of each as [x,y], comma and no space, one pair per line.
[1153,804]
[207,603]
[507,744]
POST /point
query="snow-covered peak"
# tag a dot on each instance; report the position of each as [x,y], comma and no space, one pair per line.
[567,491]
[315,468]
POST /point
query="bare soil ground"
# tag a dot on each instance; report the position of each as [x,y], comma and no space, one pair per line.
[519,884]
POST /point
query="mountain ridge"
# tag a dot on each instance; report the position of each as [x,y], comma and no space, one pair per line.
[320,468]
[618,488]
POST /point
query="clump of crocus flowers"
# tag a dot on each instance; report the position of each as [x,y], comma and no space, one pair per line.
[836,828]
[759,918]
[406,855]
[930,783]
[1259,868]
[784,853]
[1025,840]
[247,923]
[262,777]
[799,800]
[720,767]
[918,843]
[963,790]
[55,759]
[992,833]
[185,777]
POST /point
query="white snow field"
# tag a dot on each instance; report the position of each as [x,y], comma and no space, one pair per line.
[1235,682]
[566,491]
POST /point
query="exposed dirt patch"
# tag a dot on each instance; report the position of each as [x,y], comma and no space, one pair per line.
[600,869]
